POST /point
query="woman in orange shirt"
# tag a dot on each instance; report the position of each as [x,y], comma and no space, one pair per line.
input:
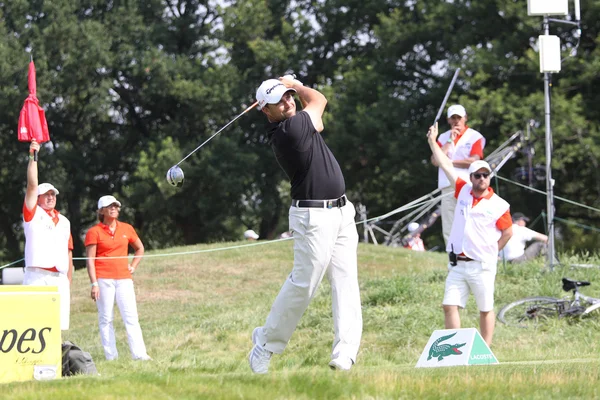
[106,246]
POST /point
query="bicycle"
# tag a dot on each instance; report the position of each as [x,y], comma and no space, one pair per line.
[531,311]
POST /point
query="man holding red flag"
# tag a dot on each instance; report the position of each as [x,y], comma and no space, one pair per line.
[48,241]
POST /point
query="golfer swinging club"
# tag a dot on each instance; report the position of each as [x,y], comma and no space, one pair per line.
[322,221]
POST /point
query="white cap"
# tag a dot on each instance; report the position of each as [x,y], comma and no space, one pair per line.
[250,234]
[45,188]
[456,109]
[413,226]
[477,165]
[106,201]
[270,92]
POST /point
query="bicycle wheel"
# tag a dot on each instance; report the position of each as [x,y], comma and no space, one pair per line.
[530,311]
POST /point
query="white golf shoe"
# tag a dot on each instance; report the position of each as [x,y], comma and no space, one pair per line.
[341,363]
[259,358]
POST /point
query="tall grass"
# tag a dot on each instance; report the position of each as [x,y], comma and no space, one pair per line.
[197,313]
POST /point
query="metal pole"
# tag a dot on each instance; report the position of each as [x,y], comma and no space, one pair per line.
[529,154]
[362,210]
[549,181]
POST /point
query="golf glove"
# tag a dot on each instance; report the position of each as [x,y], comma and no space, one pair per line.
[292,77]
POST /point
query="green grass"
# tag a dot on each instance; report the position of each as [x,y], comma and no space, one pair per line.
[197,313]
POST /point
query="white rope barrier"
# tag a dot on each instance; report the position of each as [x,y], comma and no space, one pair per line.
[423,200]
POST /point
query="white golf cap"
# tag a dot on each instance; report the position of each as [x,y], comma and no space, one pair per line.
[45,188]
[250,234]
[456,109]
[413,226]
[477,165]
[270,92]
[106,201]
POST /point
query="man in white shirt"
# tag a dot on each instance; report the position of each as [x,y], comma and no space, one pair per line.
[48,241]
[463,146]
[414,241]
[515,250]
[481,228]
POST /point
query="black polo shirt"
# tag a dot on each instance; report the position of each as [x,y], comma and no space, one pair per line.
[303,155]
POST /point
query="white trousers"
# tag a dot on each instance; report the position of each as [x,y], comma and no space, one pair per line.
[122,290]
[325,243]
[448,206]
[38,277]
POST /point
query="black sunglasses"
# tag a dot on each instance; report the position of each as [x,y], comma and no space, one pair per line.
[478,176]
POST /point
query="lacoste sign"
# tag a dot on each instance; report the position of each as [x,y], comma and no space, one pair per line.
[449,347]
[439,351]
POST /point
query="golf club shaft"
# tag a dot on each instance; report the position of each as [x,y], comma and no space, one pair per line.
[219,131]
[441,110]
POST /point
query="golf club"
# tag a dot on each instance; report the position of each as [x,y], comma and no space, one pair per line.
[175,176]
[175,173]
[439,114]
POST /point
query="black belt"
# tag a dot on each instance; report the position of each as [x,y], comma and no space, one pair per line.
[341,202]
[463,258]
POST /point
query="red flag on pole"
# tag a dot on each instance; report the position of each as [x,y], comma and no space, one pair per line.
[32,121]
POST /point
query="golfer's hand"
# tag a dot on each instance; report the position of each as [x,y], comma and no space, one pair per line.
[95,293]
[432,134]
[289,81]
[131,269]
[34,146]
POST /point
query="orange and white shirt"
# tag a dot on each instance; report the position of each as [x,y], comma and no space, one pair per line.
[478,224]
[111,244]
[47,239]
[416,244]
[467,144]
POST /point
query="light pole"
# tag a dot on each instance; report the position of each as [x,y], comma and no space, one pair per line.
[551,259]
[549,47]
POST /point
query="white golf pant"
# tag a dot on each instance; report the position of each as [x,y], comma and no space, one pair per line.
[448,206]
[39,277]
[325,242]
[122,290]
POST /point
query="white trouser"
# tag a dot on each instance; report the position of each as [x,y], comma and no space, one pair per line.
[39,277]
[122,290]
[325,242]
[448,206]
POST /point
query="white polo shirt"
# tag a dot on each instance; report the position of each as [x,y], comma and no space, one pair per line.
[477,225]
[416,244]
[463,148]
[46,242]
[515,247]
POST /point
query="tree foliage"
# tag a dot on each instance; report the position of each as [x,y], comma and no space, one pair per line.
[131,88]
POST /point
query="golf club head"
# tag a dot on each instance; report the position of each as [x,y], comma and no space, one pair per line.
[175,176]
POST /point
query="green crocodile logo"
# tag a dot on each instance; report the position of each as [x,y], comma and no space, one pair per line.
[444,350]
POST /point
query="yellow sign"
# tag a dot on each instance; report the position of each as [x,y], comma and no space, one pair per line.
[30,337]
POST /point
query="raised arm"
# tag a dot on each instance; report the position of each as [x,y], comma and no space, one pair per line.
[31,195]
[313,102]
[445,149]
[440,158]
